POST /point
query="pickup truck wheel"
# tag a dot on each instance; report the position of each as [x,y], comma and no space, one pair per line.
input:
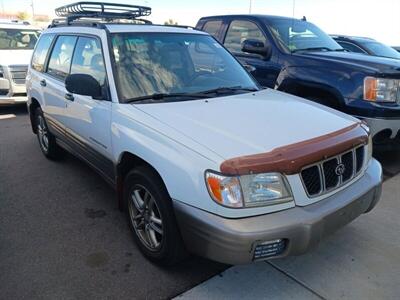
[151,217]
[47,141]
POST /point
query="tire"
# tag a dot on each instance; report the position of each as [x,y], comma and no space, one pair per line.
[151,217]
[47,141]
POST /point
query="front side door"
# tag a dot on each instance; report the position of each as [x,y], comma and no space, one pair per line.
[88,121]
[265,70]
[53,86]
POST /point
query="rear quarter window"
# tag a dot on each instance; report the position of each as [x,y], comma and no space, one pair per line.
[212,28]
[41,51]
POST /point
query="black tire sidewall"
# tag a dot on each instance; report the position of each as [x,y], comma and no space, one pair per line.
[170,248]
[53,151]
[39,113]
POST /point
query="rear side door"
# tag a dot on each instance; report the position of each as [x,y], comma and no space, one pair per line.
[35,76]
[88,120]
[265,70]
[53,83]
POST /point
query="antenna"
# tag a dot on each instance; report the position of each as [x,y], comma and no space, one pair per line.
[33,11]
[294,6]
[250,5]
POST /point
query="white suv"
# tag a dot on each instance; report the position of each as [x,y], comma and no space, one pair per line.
[201,158]
[17,40]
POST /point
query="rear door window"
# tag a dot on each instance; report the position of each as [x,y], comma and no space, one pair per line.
[61,57]
[88,59]
[212,28]
[41,50]
[238,32]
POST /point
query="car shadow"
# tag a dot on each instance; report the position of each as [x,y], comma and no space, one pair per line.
[17,110]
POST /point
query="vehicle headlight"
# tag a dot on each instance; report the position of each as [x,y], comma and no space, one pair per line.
[248,190]
[381,89]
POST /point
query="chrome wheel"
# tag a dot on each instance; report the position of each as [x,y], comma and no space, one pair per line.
[145,217]
[43,134]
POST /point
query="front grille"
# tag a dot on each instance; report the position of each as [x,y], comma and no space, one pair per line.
[359,158]
[18,73]
[332,173]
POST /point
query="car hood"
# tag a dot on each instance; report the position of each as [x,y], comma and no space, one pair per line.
[379,65]
[15,57]
[248,123]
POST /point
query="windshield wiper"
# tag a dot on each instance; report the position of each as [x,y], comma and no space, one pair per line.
[197,95]
[222,90]
[313,49]
[161,96]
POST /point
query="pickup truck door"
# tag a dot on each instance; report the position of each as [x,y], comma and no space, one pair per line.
[88,121]
[264,70]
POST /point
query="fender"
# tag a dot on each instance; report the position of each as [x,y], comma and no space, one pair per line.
[303,82]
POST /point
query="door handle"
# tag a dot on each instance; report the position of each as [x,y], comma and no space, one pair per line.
[69,97]
[43,82]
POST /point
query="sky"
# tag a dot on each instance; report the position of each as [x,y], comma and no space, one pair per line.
[370,18]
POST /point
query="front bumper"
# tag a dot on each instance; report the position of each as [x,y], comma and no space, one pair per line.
[233,241]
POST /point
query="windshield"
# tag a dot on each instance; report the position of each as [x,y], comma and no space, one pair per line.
[296,35]
[12,39]
[170,63]
[380,49]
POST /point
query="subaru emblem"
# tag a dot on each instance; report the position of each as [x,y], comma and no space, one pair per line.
[340,169]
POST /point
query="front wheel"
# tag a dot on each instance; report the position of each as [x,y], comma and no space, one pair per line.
[151,217]
[47,141]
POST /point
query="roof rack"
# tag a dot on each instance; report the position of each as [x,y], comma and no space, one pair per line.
[101,11]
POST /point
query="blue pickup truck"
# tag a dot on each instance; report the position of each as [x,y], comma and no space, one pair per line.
[297,57]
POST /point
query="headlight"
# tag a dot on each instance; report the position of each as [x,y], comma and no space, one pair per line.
[248,190]
[381,89]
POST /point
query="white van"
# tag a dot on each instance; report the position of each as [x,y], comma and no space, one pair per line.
[17,40]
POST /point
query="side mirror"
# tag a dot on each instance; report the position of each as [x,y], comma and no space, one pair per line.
[83,84]
[255,46]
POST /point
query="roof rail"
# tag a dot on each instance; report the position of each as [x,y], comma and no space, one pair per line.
[102,11]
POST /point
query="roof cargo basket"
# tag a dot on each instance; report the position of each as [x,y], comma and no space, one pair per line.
[103,11]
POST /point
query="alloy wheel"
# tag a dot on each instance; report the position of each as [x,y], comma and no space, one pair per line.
[146,218]
[43,133]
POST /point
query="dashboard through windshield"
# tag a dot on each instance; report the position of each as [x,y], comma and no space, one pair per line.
[297,35]
[173,63]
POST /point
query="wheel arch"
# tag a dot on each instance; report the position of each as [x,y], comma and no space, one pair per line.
[313,90]
[127,161]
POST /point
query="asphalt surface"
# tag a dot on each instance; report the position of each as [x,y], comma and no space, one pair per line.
[63,237]
[359,261]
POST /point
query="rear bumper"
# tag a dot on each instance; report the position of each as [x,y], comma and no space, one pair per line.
[12,100]
[233,241]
